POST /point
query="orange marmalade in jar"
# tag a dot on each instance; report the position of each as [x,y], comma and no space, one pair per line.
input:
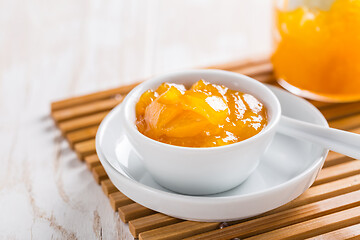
[206,115]
[317,52]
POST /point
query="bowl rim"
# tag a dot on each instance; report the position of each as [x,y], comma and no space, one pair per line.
[134,95]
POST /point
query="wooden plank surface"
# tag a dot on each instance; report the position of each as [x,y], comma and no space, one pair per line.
[53,50]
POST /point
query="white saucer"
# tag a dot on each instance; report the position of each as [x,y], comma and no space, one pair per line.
[288,168]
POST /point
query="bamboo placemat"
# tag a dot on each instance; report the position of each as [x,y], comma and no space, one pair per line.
[330,209]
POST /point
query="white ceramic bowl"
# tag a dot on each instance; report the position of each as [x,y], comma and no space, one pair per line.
[200,171]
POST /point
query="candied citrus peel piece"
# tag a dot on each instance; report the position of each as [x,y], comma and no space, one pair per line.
[171,96]
[165,86]
[158,114]
[213,108]
[206,115]
[188,124]
[145,99]
[212,89]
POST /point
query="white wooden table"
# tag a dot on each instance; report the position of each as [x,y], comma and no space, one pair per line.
[50,50]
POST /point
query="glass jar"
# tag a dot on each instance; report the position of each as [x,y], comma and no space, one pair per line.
[317,48]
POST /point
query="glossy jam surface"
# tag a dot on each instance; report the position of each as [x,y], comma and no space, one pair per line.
[206,115]
[318,49]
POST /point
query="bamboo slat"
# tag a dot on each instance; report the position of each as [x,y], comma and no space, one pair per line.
[347,123]
[348,233]
[108,187]
[153,221]
[87,109]
[321,105]
[355,130]
[133,211]
[178,230]
[337,172]
[99,174]
[81,135]
[328,210]
[92,161]
[240,64]
[85,148]
[341,110]
[85,99]
[334,158]
[117,199]
[268,79]
[82,122]
[323,191]
[256,70]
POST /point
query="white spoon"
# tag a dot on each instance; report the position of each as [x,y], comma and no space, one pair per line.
[343,142]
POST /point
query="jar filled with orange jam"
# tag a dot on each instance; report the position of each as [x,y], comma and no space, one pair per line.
[205,115]
[317,48]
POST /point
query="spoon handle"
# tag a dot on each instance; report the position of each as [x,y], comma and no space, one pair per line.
[343,142]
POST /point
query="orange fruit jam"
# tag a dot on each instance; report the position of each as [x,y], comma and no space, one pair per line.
[318,50]
[206,115]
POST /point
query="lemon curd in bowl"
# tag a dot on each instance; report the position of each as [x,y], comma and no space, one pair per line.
[205,115]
